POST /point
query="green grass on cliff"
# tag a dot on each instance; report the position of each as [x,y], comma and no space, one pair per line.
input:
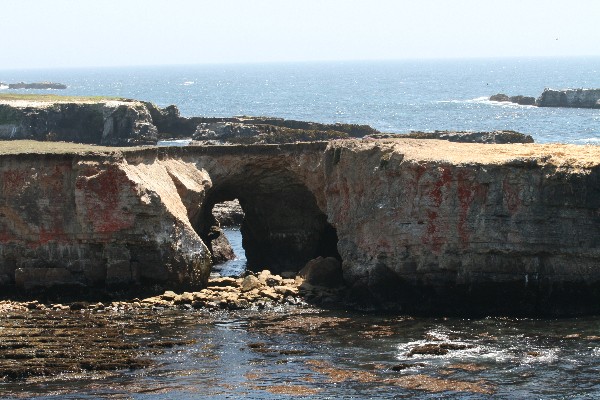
[57,98]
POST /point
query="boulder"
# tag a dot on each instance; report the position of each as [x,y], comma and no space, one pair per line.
[219,245]
[250,283]
[499,97]
[523,100]
[323,272]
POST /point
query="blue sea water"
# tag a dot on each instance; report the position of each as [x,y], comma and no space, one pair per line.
[332,353]
[392,96]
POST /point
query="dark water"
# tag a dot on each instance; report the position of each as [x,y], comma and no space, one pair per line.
[237,266]
[391,96]
[309,353]
[312,353]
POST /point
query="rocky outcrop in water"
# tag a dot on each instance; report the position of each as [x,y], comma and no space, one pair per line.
[36,85]
[418,225]
[106,122]
[571,98]
[579,98]
[494,137]
[521,100]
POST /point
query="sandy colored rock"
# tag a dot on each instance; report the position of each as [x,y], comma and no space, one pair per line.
[251,282]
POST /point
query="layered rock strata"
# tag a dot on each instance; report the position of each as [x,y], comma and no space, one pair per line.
[418,225]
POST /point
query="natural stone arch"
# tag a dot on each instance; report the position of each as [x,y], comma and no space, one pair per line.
[283,226]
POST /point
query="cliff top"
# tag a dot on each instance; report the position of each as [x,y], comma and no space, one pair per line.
[11,147]
[46,100]
[573,156]
[563,155]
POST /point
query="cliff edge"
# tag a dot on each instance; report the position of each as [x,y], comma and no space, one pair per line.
[418,225]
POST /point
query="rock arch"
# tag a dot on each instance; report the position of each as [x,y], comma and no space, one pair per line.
[283,226]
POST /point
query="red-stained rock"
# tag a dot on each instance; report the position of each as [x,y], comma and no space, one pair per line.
[420,225]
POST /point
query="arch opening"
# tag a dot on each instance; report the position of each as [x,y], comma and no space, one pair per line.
[282,228]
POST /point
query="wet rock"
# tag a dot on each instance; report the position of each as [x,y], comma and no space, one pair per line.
[435,385]
[437,349]
[499,97]
[403,366]
[78,306]
[523,100]
[323,272]
[224,282]
[219,245]
[30,278]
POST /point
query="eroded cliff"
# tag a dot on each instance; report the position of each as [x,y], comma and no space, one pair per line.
[419,225]
[110,122]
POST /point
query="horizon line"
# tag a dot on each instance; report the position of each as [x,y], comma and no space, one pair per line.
[283,62]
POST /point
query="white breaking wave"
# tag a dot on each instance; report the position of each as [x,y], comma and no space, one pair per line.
[3,86]
[188,83]
[486,100]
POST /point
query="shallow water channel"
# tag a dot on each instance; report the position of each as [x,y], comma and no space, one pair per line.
[304,352]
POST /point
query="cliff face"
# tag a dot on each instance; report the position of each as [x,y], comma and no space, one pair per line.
[93,220]
[581,98]
[513,228]
[419,225]
[109,122]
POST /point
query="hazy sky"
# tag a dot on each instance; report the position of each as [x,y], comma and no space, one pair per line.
[62,33]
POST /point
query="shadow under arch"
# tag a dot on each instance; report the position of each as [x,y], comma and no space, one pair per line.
[283,227]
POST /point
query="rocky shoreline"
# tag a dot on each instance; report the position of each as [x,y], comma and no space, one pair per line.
[126,122]
[34,332]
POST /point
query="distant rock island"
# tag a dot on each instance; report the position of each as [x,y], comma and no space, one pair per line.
[35,85]
[571,98]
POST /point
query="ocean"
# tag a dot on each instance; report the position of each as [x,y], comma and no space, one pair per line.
[393,96]
[310,352]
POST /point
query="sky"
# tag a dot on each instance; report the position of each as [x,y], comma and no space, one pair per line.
[85,33]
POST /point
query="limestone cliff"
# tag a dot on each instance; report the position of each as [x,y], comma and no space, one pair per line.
[418,224]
